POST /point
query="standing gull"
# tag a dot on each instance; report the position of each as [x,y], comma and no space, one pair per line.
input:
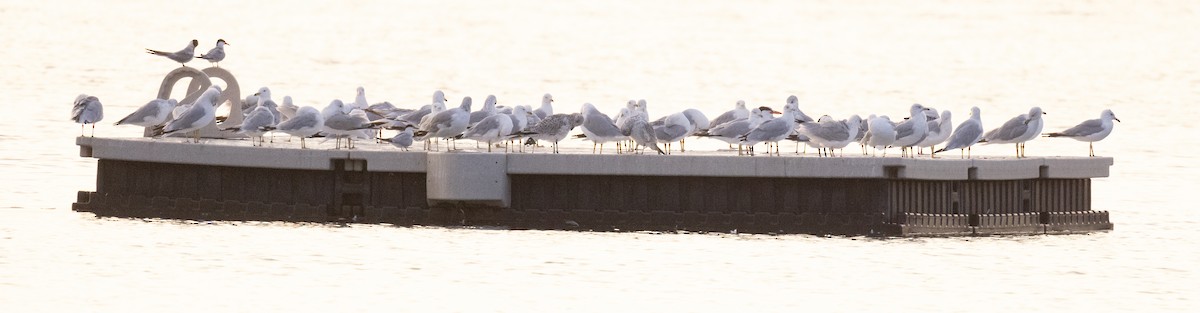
[491,129]
[403,140]
[1018,130]
[87,110]
[739,112]
[447,124]
[554,128]
[966,134]
[347,125]
[912,131]
[259,122]
[880,134]
[599,128]
[939,131]
[672,128]
[216,54]
[730,132]
[306,123]
[643,134]
[831,134]
[181,56]
[1090,131]
[546,109]
[201,113]
[771,131]
[287,109]
[152,114]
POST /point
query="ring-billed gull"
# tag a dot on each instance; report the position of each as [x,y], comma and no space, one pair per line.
[488,109]
[880,134]
[259,122]
[306,123]
[771,131]
[347,125]
[182,56]
[599,128]
[554,128]
[152,114]
[672,128]
[547,109]
[831,134]
[793,103]
[403,140]
[1017,130]
[216,54]
[912,131]
[287,109]
[643,135]
[730,132]
[966,134]
[490,130]
[87,110]
[201,113]
[939,131]
[446,124]
[1090,131]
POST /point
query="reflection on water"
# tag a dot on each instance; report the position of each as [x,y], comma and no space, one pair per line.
[1072,58]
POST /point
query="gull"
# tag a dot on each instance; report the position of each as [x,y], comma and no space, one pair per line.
[739,112]
[730,131]
[533,117]
[182,56]
[546,109]
[939,131]
[259,122]
[599,128]
[698,120]
[1090,131]
[436,107]
[403,140]
[287,109]
[554,128]
[216,54]
[520,121]
[264,100]
[200,113]
[912,131]
[488,109]
[347,125]
[831,134]
[794,103]
[152,114]
[880,133]
[490,129]
[1017,130]
[623,115]
[306,123]
[360,99]
[643,134]
[87,110]
[446,124]
[672,128]
[966,134]
[771,131]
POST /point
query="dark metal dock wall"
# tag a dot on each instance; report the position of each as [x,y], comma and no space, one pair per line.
[990,197]
[789,205]
[151,189]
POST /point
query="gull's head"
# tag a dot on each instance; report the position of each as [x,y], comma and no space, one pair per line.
[547,98]
[1035,111]
[439,97]
[221,42]
[576,119]
[173,102]
[945,115]
[642,104]
[466,104]
[793,100]
[916,109]
[337,103]
[287,100]
[307,110]
[360,91]
[824,118]
[519,111]
[587,108]
[632,104]
[975,112]
[195,43]
[855,119]
[741,105]
[263,93]
[1109,114]
[490,102]
[216,87]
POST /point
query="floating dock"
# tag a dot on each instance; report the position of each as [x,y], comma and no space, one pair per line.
[705,191]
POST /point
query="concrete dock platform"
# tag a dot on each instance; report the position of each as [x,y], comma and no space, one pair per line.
[697,191]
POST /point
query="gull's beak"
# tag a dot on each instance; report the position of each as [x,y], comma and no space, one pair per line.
[1116,119]
[1043,112]
[776,112]
[256,94]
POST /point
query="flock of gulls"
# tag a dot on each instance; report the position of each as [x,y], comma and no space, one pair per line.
[631,129]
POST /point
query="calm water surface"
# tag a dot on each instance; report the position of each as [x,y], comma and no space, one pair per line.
[1072,58]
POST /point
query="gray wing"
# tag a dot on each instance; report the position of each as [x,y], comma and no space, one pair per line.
[403,139]
[769,129]
[731,129]
[670,132]
[151,109]
[800,116]
[643,134]
[549,125]
[1011,129]
[257,120]
[965,135]
[299,121]
[904,129]
[478,116]
[601,126]
[827,131]
[345,122]
[726,117]
[438,121]
[1086,128]
[188,119]
[486,125]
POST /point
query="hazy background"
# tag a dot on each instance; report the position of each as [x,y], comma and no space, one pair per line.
[1072,58]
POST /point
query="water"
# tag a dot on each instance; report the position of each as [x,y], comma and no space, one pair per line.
[1072,58]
